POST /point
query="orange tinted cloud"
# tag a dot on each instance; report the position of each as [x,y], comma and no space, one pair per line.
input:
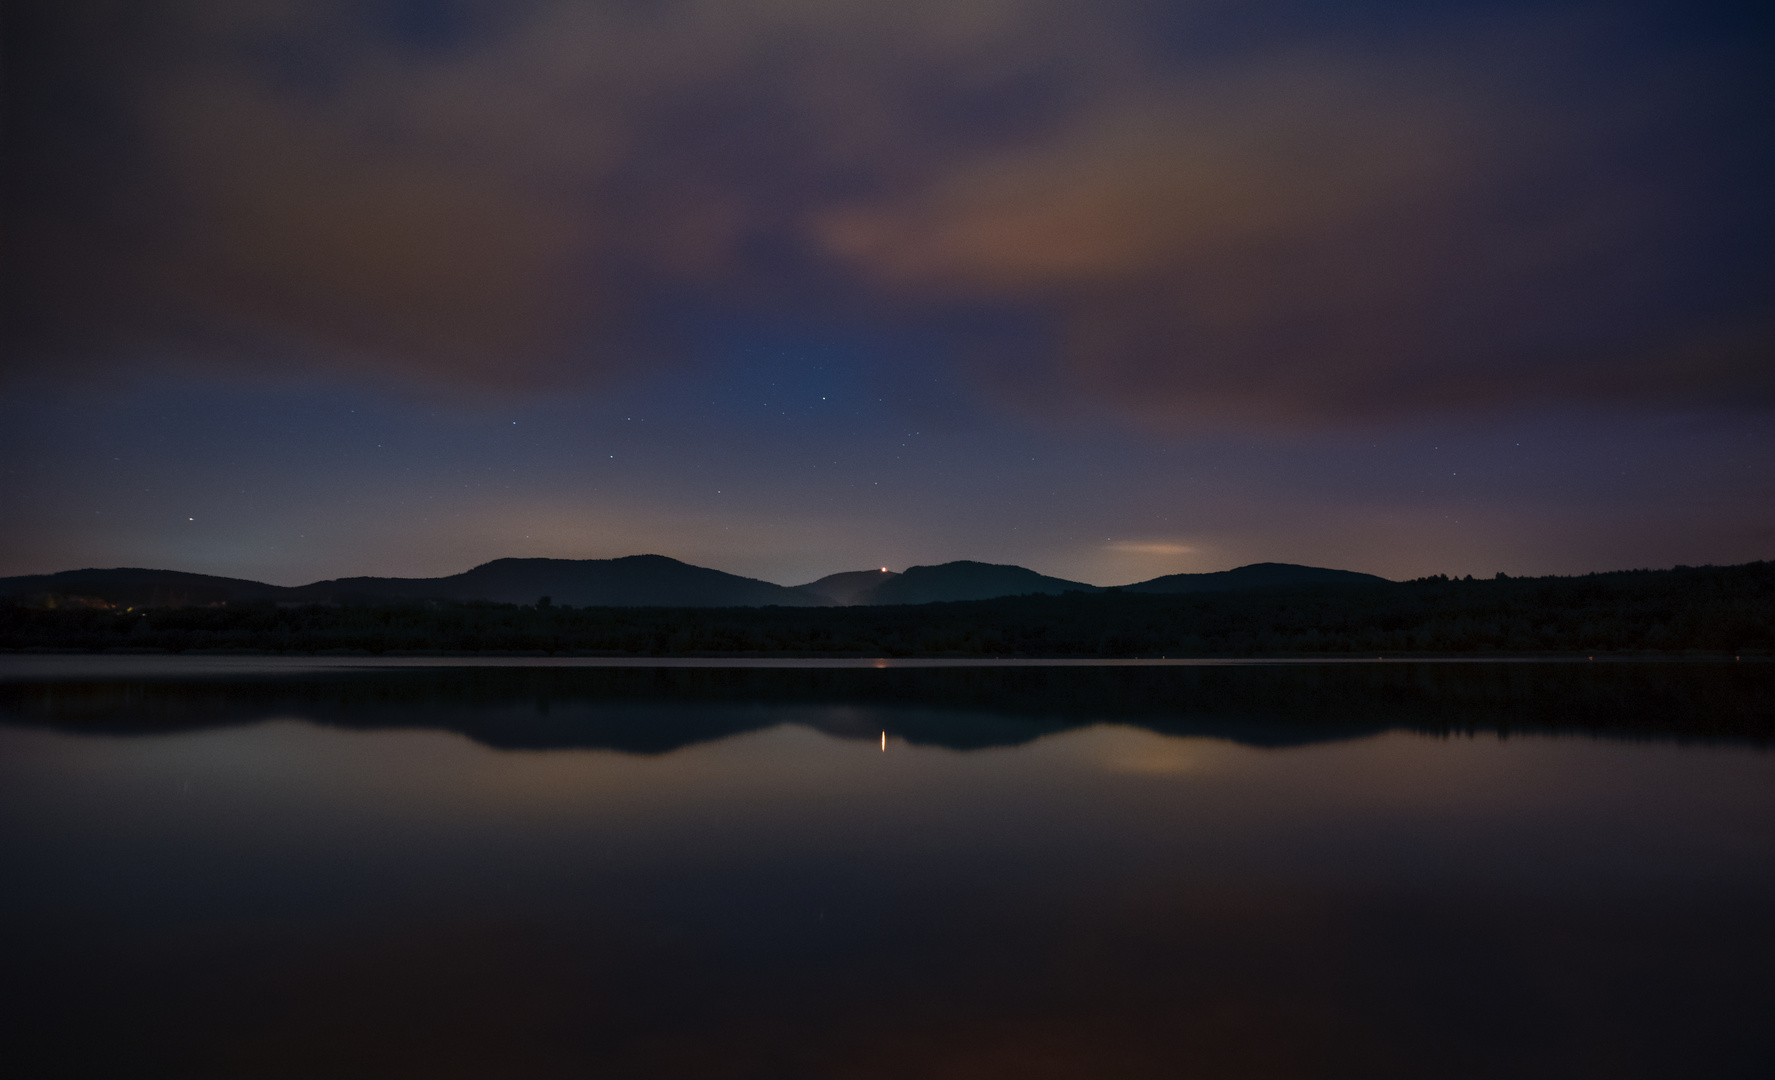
[1294,231]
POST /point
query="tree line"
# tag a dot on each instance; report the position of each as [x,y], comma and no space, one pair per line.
[1717,609]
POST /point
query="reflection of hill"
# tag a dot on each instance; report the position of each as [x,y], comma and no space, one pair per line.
[655,710]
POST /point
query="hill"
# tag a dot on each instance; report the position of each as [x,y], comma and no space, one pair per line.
[632,581]
[1727,609]
[125,587]
[850,587]
[1263,575]
[965,580]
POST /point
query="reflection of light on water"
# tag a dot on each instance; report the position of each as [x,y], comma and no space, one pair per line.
[1152,755]
[884,742]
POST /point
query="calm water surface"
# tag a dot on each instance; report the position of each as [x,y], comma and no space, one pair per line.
[1272,871]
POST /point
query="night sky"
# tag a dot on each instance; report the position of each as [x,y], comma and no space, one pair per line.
[1106,288]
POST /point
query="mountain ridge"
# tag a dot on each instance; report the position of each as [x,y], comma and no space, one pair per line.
[627,581]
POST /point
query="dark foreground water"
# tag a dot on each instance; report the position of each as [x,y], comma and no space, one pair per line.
[1415,870]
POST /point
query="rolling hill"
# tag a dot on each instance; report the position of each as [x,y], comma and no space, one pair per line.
[851,587]
[135,587]
[633,581]
[1255,576]
[965,580]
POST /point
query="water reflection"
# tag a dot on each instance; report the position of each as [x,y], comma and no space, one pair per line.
[1264,874]
[660,709]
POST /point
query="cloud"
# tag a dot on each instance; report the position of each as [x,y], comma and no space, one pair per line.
[1143,547]
[1323,237]
[1175,212]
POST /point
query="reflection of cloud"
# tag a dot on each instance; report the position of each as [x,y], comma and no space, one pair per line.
[1138,547]
[1144,753]
[484,193]
[1168,763]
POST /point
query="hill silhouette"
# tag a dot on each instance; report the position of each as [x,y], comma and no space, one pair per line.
[632,581]
[965,580]
[1720,609]
[850,587]
[135,587]
[1261,575]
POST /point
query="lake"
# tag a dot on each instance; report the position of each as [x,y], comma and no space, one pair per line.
[268,867]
